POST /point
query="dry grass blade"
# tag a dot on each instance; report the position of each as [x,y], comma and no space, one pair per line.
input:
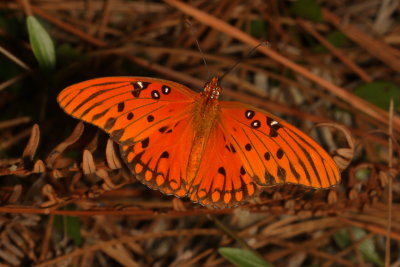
[120,255]
[73,30]
[14,122]
[390,184]
[307,26]
[12,81]
[377,48]
[222,26]
[14,59]
[342,156]
[33,143]
[75,135]
[16,194]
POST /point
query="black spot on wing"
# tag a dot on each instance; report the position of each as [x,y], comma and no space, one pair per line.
[117,134]
[163,129]
[281,173]
[274,126]
[248,147]
[121,106]
[165,89]
[155,94]
[256,124]
[280,153]
[165,155]
[150,118]
[129,116]
[110,123]
[99,115]
[145,142]
[249,114]
[269,178]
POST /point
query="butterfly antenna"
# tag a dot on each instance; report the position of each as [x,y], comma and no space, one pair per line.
[189,24]
[243,59]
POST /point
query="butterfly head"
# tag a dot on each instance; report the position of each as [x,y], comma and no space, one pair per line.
[212,89]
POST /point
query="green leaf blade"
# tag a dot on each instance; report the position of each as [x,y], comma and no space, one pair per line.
[42,44]
[379,93]
[242,257]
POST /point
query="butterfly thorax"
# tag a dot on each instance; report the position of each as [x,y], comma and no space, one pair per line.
[206,112]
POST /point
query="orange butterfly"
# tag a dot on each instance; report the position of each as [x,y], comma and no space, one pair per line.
[189,144]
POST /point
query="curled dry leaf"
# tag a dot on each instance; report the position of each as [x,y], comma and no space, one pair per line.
[48,191]
[75,179]
[88,165]
[290,204]
[16,194]
[112,157]
[277,196]
[332,197]
[14,122]
[108,184]
[39,167]
[31,147]
[342,156]
[57,174]
[353,194]
[383,178]
[75,135]
[92,146]
[177,204]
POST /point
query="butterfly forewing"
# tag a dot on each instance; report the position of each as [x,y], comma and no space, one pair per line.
[149,118]
[275,152]
[128,108]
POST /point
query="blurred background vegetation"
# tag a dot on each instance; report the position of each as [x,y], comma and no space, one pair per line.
[324,61]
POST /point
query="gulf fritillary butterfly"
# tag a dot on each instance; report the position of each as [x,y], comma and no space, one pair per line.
[218,154]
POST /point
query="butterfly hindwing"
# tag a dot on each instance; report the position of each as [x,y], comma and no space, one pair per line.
[160,161]
[275,152]
[221,180]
